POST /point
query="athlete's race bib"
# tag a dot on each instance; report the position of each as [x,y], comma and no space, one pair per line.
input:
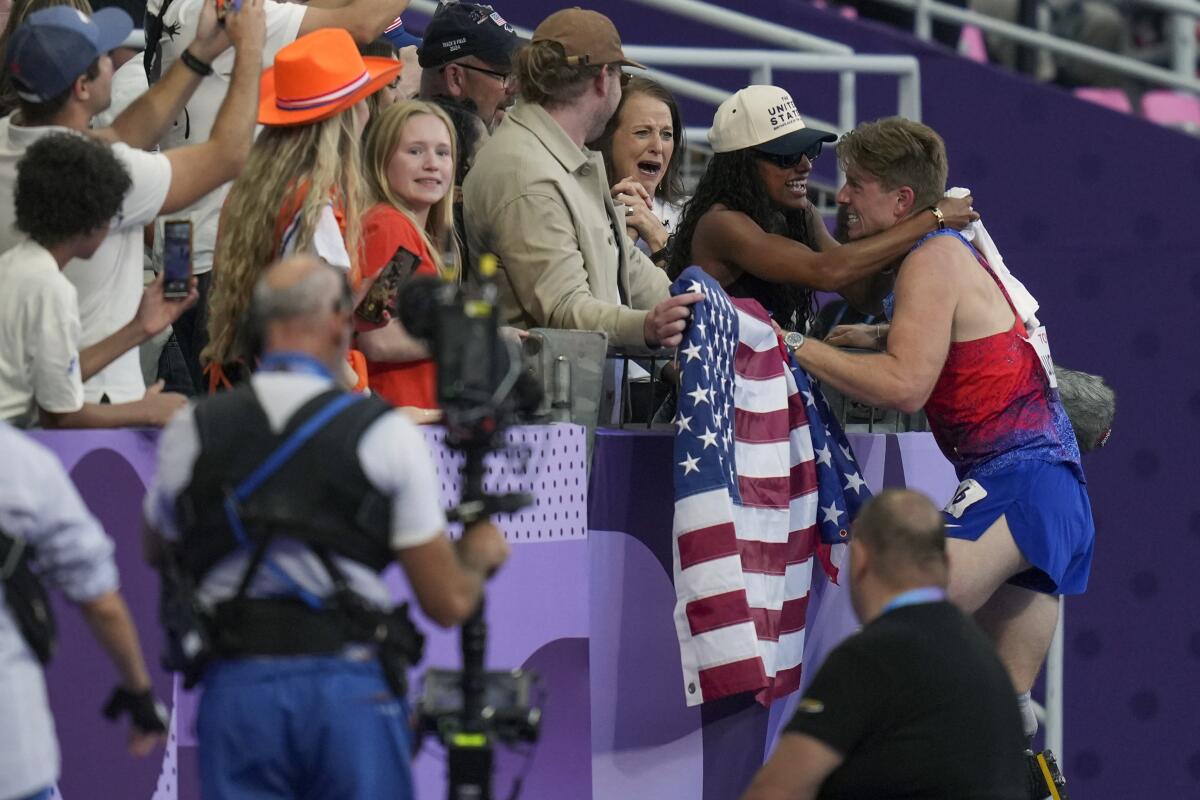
[968,494]
[1039,340]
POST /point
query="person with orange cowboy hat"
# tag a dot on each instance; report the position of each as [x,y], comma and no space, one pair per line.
[301,190]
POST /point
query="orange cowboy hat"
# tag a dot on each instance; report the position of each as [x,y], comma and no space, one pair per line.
[317,76]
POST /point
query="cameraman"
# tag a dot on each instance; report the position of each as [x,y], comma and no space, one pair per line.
[294,704]
[41,515]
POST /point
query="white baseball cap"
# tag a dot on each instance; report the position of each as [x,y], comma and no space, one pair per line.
[765,118]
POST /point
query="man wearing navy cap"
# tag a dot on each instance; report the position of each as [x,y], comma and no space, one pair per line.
[467,54]
[60,67]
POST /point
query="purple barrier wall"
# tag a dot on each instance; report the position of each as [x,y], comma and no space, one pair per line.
[590,610]
[550,552]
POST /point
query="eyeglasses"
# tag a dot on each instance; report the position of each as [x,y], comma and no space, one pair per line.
[789,160]
[506,78]
[623,76]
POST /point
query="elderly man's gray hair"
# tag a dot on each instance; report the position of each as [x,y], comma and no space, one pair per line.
[1090,404]
[313,293]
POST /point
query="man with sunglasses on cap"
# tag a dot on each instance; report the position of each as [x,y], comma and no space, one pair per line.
[466,54]
[60,66]
[539,200]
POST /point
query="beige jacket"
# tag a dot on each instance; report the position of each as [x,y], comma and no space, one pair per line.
[542,206]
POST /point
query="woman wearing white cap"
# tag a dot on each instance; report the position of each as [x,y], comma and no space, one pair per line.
[749,223]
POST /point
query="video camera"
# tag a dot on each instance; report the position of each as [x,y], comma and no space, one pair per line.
[481,383]
[482,386]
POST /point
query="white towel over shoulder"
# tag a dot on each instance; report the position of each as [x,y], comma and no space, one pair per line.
[1025,303]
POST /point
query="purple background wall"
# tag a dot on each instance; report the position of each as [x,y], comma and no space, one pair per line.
[1098,213]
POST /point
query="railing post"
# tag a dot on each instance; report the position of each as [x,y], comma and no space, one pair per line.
[1183,43]
[908,93]
[762,76]
[922,26]
[847,109]
[1054,688]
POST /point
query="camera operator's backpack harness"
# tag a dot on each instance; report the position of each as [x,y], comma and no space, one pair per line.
[308,487]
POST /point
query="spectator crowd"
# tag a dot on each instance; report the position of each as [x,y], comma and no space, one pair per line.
[308,161]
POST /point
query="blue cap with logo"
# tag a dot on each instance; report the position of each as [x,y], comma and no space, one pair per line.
[54,46]
[399,37]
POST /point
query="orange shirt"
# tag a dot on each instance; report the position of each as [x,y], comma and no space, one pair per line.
[407,383]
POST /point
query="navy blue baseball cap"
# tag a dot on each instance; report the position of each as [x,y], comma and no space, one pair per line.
[399,37]
[459,29]
[54,46]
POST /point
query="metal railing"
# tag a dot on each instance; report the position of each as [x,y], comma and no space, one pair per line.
[1185,13]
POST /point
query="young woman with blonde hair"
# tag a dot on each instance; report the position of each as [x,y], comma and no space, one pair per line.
[409,165]
[301,190]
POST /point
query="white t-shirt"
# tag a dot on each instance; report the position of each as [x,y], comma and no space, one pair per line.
[195,123]
[39,337]
[109,284]
[393,455]
[39,504]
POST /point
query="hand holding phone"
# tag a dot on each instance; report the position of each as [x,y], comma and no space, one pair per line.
[177,258]
[380,301]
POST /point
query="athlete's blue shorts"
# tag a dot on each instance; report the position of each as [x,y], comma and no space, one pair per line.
[1048,511]
[324,728]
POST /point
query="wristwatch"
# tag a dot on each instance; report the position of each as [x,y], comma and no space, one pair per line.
[794,340]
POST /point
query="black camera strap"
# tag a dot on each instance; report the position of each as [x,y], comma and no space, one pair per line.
[26,597]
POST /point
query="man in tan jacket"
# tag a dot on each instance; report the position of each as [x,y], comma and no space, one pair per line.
[540,201]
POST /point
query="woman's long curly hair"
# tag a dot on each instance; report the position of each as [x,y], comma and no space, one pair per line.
[321,160]
[732,180]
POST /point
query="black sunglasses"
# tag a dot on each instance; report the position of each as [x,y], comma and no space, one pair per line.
[506,78]
[789,160]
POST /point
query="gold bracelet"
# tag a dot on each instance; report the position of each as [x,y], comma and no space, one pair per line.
[941,218]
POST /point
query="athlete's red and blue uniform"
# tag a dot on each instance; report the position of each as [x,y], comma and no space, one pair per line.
[996,418]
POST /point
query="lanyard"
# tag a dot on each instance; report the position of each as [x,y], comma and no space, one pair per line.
[294,362]
[925,594]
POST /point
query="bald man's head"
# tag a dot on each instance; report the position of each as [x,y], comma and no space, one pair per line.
[302,304]
[296,286]
[906,537]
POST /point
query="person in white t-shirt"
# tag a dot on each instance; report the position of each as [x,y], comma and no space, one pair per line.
[44,53]
[41,367]
[171,23]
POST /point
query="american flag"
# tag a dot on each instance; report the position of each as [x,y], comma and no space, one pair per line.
[765,484]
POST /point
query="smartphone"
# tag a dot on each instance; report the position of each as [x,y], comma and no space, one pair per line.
[381,299]
[177,258]
[225,6]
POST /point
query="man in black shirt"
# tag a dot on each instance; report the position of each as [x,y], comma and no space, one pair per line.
[916,705]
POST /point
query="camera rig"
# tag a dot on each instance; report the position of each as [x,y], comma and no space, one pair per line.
[481,387]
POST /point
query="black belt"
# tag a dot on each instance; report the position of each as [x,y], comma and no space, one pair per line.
[279,627]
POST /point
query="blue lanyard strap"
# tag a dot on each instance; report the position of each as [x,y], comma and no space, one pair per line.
[925,594]
[268,468]
[293,362]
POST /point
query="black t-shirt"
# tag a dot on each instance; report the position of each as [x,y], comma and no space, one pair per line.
[921,707]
